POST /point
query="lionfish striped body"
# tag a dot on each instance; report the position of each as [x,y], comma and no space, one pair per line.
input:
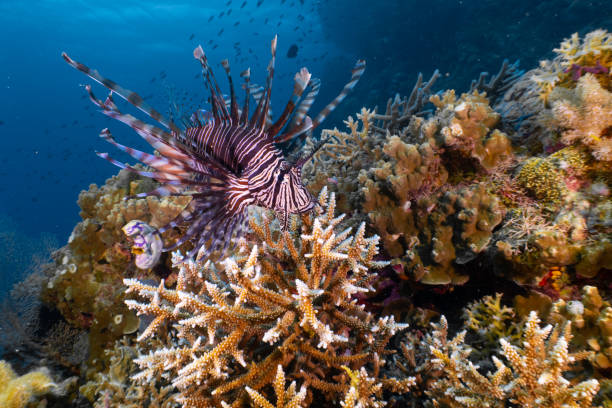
[226,161]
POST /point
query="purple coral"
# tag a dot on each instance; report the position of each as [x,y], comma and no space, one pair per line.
[578,70]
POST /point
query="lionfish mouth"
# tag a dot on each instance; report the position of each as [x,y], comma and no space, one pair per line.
[207,156]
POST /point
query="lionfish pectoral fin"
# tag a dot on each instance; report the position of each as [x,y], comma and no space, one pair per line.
[303,127]
[357,72]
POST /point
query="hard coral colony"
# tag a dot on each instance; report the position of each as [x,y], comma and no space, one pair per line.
[451,203]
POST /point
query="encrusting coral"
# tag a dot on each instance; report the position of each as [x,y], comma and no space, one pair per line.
[17,391]
[431,212]
[87,285]
[287,300]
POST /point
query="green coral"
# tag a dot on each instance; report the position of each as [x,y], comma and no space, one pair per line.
[492,320]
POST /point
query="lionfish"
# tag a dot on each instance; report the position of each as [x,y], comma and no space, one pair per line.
[227,160]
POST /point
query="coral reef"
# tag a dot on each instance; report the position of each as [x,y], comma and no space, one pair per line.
[114,387]
[490,207]
[420,199]
[592,317]
[16,391]
[575,58]
[86,286]
[287,300]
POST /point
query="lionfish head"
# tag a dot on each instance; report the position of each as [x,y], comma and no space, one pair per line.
[294,197]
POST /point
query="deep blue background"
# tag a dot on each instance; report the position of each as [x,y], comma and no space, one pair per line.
[49,130]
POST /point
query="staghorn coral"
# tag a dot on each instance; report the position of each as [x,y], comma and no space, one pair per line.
[337,166]
[287,300]
[585,116]
[532,376]
[86,286]
[17,391]
[288,398]
[114,386]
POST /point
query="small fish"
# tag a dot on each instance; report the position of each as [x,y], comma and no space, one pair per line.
[236,23]
[292,52]
[210,18]
[220,32]
[259,3]
[243,4]
[191,37]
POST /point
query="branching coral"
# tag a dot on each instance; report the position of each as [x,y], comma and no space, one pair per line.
[288,398]
[492,320]
[532,376]
[114,387]
[288,300]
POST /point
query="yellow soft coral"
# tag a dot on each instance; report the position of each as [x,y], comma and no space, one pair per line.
[15,392]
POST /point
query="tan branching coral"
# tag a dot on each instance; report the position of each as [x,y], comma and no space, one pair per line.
[287,300]
[492,320]
[114,387]
[574,58]
[532,377]
[288,398]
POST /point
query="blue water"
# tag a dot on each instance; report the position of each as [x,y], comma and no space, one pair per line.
[49,129]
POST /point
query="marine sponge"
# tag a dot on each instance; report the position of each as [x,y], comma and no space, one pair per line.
[16,392]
